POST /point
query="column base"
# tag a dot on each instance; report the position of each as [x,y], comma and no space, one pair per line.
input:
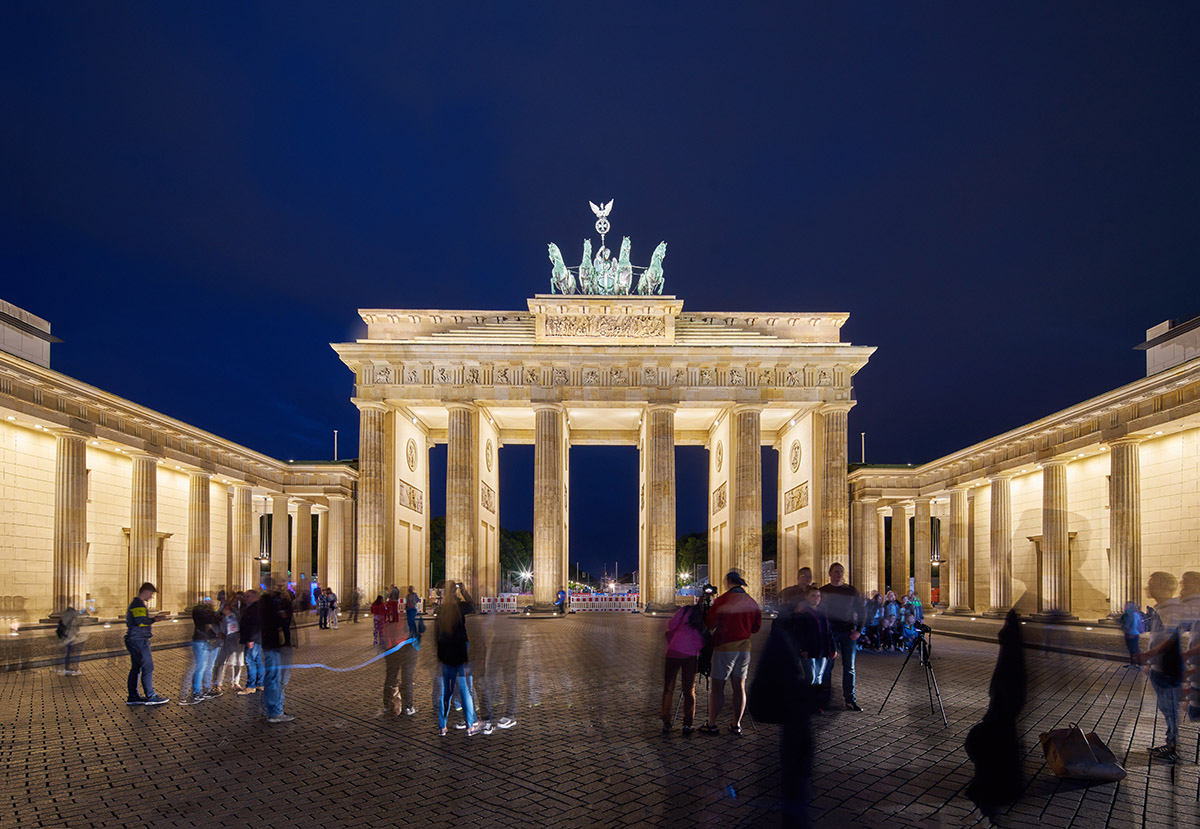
[996,612]
[1050,618]
[545,609]
[658,609]
[959,611]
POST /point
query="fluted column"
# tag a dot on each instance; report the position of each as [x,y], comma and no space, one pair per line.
[660,508]
[1000,544]
[835,487]
[461,494]
[70,521]
[199,536]
[280,552]
[869,546]
[923,549]
[371,512]
[143,525]
[1056,540]
[333,574]
[746,503]
[959,572]
[547,505]
[321,574]
[1125,525]
[900,566]
[302,565]
[245,569]
[350,580]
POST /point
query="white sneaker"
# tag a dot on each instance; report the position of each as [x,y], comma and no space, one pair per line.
[281,718]
[460,725]
[410,711]
[74,672]
[488,728]
[506,722]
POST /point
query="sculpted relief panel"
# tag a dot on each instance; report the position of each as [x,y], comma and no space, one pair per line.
[410,496]
[718,499]
[796,498]
[606,326]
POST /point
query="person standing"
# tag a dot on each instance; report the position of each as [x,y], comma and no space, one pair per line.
[332,599]
[686,635]
[68,634]
[250,635]
[275,618]
[204,642]
[411,601]
[322,610]
[355,601]
[793,599]
[733,619]
[560,602]
[452,645]
[138,622]
[378,615]
[232,659]
[1165,659]
[845,610]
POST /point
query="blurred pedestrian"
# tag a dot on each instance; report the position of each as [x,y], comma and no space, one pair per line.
[204,649]
[378,612]
[452,647]
[69,637]
[1132,626]
[686,635]
[332,599]
[1165,659]
[355,601]
[231,658]
[322,610]
[250,636]
[411,602]
[275,618]
[846,612]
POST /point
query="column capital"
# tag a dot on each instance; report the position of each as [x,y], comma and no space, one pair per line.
[142,454]
[838,406]
[1127,440]
[883,509]
[461,405]
[1005,475]
[200,473]
[1055,462]
[867,499]
[67,432]
[661,407]
[549,407]
[369,405]
[747,408]
[923,499]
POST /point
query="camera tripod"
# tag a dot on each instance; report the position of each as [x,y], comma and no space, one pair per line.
[930,678]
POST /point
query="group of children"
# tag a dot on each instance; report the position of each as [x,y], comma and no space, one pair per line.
[891,625]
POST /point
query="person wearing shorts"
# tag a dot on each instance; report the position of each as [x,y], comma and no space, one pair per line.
[733,619]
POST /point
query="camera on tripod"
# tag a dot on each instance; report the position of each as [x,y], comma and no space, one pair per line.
[922,627]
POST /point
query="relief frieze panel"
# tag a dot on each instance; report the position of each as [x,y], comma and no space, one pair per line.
[796,498]
[487,497]
[606,326]
[410,496]
[718,499]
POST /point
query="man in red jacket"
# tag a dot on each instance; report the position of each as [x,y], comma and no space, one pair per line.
[733,619]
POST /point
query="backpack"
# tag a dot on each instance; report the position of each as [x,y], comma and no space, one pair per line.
[61,630]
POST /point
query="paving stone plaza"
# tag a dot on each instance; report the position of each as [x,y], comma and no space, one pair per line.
[586,749]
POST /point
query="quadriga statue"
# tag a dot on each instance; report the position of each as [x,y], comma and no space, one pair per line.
[587,273]
[624,269]
[561,279]
[651,280]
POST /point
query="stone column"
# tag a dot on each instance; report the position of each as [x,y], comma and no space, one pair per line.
[746,504]
[245,569]
[869,547]
[835,488]
[900,566]
[547,505]
[302,568]
[280,552]
[1056,540]
[199,536]
[881,515]
[660,508]
[371,507]
[1000,544]
[143,525]
[923,550]
[461,494]
[321,574]
[70,521]
[334,555]
[959,572]
[1125,525]
[350,578]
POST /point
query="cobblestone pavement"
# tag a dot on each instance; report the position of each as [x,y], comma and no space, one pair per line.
[586,749]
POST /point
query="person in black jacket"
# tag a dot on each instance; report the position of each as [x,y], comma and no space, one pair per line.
[452,647]
[250,635]
[275,616]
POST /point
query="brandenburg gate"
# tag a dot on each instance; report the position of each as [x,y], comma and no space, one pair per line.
[599,364]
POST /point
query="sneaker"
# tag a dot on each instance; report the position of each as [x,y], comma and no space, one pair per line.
[853,706]
[410,711]
[157,699]
[474,729]
[460,725]
[489,728]
[138,701]
[245,692]
[506,722]
[687,731]
[281,718]
[192,699]
[74,672]
[212,693]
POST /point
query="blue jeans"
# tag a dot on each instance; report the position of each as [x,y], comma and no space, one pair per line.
[203,656]
[254,666]
[1169,696]
[273,696]
[452,676]
[142,664]
[846,647]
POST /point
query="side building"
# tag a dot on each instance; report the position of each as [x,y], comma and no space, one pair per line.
[1063,517]
[99,494]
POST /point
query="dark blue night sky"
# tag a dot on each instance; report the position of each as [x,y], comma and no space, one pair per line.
[200,195]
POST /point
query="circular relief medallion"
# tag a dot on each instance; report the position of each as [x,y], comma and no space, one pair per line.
[794,455]
[410,454]
[720,455]
[487,454]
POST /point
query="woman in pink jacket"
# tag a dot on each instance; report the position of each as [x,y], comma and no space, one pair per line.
[686,635]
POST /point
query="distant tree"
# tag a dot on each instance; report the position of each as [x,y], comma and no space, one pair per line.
[516,552]
[770,539]
[437,549]
[691,550]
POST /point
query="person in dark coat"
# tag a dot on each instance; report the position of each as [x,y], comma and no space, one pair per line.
[993,744]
